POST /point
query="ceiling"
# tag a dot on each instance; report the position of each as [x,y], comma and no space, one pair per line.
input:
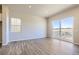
[43,10]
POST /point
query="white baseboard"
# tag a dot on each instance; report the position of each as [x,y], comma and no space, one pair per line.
[24,39]
[76,43]
[4,44]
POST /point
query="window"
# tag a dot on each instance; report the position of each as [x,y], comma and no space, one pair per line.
[15,25]
[63,29]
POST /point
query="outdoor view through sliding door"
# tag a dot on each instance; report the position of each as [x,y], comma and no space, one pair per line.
[63,29]
[67,29]
[56,29]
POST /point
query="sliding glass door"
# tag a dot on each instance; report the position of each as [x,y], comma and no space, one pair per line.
[56,29]
[63,29]
[67,29]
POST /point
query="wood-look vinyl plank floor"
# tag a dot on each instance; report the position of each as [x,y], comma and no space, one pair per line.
[45,46]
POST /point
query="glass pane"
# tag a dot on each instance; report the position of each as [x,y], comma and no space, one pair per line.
[55,24]
[56,28]
[15,21]
[15,28]
[67,29]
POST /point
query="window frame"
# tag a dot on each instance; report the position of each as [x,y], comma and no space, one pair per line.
[14,26]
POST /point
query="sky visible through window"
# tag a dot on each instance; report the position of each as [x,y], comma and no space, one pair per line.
[65,23]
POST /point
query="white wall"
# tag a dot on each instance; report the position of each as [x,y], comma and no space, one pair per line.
[33,27]
[5,25]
